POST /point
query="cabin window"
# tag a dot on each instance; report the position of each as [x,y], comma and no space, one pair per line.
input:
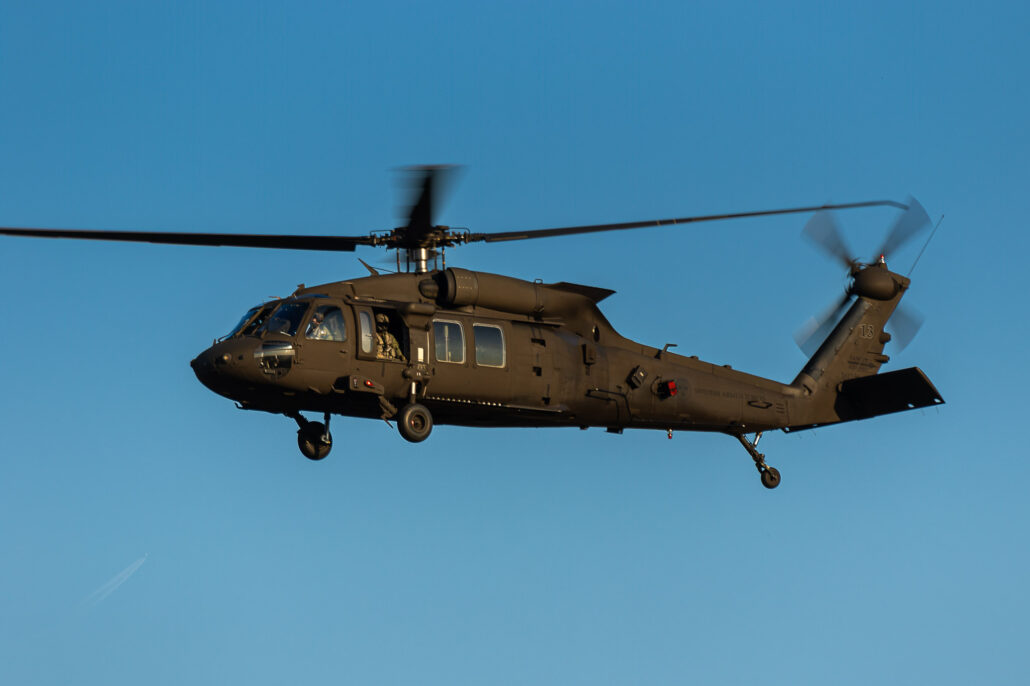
[368,336]
[327,324]
[450,341]
[489,345]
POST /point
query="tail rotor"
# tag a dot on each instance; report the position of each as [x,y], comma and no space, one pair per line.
[813,332]
[824,231]
[908,225]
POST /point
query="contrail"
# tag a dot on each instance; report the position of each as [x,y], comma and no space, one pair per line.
[98,596]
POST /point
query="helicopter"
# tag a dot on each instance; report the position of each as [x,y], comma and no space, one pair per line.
[430,344]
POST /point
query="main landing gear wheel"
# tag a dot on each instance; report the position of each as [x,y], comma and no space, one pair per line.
[414,422]
[770,477]
[314,440]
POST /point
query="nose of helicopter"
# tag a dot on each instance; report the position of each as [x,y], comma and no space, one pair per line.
[206,367]
[219,367]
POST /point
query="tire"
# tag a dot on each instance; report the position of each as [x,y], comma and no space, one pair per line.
[309,440]
[771,477]
[415,423]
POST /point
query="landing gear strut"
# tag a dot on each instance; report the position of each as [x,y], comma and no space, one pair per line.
[313,438]
[770,475]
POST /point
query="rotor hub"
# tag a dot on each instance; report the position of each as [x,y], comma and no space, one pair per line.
[876,282]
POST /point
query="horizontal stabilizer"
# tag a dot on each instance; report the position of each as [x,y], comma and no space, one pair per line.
[871,396]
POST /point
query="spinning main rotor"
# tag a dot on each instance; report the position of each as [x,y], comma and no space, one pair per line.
[420,239]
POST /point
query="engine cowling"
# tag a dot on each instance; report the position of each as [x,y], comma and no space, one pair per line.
[456,287]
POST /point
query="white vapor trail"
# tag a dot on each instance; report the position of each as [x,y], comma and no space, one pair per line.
[110,586]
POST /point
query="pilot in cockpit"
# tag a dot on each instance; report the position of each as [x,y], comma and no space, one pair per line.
[317,329]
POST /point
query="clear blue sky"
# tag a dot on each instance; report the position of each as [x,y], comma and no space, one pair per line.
[152,533]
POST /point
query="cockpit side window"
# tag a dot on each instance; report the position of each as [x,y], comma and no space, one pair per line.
[327,324]
[286,319]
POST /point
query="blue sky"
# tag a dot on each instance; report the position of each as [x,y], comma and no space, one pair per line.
[895,551]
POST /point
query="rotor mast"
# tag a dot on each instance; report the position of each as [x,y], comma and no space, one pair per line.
[432,254]
[419,257]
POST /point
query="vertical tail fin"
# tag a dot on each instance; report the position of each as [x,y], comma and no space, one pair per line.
[852,350]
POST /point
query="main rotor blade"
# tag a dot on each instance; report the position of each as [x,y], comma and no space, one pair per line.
[812,334]
[823,230]
[597,228]
[241,240]
[904,324]
[428,185]
[912,221]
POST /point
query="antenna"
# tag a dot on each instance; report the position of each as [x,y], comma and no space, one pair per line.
[932,234]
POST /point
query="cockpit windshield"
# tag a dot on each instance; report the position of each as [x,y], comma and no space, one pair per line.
[286,319]
[249,323]
[243,322]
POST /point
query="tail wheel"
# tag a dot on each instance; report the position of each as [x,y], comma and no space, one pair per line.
[314,441]
[415,423]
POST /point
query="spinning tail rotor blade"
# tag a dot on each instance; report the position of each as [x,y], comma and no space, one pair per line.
[812,334]
[910,223]
[904,324]
[823,230]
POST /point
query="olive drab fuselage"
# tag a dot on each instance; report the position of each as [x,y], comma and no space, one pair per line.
[481,349]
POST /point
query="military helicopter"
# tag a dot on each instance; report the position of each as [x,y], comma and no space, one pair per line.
[431,344]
